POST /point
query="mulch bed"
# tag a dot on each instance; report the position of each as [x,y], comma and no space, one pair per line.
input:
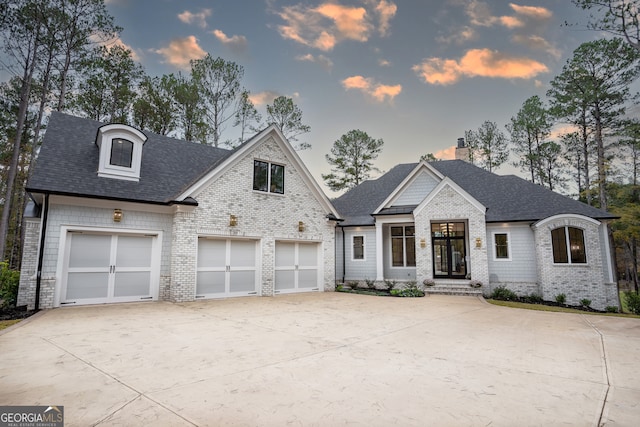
[15,313]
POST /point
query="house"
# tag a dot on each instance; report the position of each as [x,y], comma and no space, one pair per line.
[452,222]
[122,215]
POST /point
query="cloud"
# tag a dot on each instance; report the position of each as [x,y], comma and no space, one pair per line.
[459,36]
[533,12]
[384,63]
[368,86]
[448,153]
[329,23]
[535,42]
[200,18]
[236,43]
[480,15]
[180,51]
[115,41]
[478,63]
[263,98]
[322,60]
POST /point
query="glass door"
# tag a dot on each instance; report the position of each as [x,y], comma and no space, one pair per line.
[449,250]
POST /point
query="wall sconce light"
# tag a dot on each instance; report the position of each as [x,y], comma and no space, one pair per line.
[117,215]
[300,226]
[233,220]
[478,242]
[423,243]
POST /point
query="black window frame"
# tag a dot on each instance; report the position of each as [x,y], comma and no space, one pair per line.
[357,249]
[121,151]
[407,238]
[568,246]
[268,177]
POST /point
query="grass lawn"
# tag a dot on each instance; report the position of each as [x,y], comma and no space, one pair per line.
[542,307]
[4,324]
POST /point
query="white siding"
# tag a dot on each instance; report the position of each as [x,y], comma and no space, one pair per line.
[521,267]
[417,190]
[357,269]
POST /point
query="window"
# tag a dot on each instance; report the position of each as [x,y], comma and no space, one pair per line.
[268,177]
[121,152]
[501,244]
[568,246]
[403,246]
[358,248]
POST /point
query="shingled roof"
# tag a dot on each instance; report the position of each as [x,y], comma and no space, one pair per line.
[68,163]
[507,198]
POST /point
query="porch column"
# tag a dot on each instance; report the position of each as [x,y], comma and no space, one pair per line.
[379,255]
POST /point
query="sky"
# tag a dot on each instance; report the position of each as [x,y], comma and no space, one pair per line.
[415,73]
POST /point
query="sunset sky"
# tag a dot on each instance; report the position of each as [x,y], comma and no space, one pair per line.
[414,73]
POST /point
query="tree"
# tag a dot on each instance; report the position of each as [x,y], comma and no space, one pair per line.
[596,81]
[529,130]
[108,91]
[247,117]
[487,145]
[352,159]
[288,117]
[190,112]
[630,143]
[550,165]
[625,203]
[618,17]
[218,82]
[429,157]
[154,108]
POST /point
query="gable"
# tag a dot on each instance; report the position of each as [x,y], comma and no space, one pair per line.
[413,189]
[452,190]
[237,172]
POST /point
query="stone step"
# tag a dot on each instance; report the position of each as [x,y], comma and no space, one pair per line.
[452,290]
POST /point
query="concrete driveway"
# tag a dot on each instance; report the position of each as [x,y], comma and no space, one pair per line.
[325,359]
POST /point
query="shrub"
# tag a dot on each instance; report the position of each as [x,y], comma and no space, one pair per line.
[353,284]
[633,301]
[504,294]
[561,299]
[371,284]
[535,298]
[585,302]
[611,309]
[9,282]
[391,284]
[409,290]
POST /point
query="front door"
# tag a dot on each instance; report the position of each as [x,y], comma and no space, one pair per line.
[449,250]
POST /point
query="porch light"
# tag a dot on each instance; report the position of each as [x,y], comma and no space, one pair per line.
[300,226]
[478,242]
[117,215]
[233,220]
[423,243]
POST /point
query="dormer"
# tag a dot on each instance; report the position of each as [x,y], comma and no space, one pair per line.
[120,151]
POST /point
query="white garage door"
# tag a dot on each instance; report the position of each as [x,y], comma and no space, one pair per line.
[296,267]
[226,267]
[105,268]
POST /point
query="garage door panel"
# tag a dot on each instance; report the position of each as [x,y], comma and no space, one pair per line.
[242,281]
[285,254]
[308,278]
[87,285]
[89,250]
[243,253]
[210,282]
[212,253]
[285,280]
[134,251]
[128,284]
[308,255]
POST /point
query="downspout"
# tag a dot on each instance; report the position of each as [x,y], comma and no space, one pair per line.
[45,215]
[344,258]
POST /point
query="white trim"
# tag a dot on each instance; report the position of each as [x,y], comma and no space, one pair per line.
[61,267]
[607,250]
[270,132]
[407,182]
[493,244]
[444,183]
[566,220]
[104,140]
[364,247]
[379,251]
[113,204]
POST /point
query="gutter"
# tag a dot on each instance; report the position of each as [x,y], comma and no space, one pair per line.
[43,233]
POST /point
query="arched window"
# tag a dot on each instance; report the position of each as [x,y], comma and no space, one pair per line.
[568,245]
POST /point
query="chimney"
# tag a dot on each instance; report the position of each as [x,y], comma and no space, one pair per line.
[462,151]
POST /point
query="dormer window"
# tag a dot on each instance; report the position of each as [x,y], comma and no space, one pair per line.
[120,152]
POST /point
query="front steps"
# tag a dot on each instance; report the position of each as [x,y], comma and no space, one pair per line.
[447,289]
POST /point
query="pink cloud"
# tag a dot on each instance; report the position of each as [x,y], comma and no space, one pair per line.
[180,52]
[235,42]
[368,86]
[200,18]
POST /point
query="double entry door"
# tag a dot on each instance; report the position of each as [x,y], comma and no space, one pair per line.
[105,268]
